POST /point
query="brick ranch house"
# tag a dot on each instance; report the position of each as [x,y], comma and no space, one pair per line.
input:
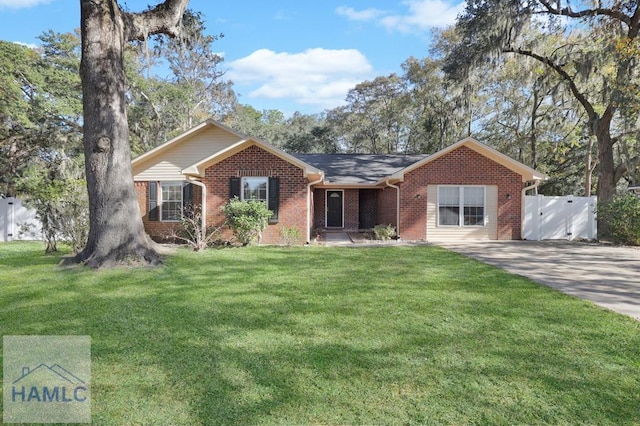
[465,191]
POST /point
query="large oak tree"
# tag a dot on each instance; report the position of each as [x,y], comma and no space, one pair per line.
[116,232]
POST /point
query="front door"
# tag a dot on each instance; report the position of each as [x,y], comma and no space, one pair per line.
[334,209]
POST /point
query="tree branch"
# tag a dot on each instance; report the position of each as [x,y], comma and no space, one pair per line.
[619,171]
[165,18]
[563,74]
[599,11]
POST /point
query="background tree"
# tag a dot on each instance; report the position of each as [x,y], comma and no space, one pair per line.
[374,119]
[531,117]
[116,232]
[438,115]
[195,69]
[298,133]
[40,104]
[309,134]
[586,56]
[56,189]
[161,107]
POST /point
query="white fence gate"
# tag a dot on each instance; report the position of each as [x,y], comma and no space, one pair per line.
[559,218]
[17,222]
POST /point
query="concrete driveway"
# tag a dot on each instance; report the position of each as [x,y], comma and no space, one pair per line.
[606,275]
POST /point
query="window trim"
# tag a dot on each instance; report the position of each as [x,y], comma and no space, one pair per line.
[266,180]
[461,206]
[273,193]
[161,200]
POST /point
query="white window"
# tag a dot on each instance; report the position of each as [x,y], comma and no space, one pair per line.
[255,188]
[449,205]
[171,201]
[461,206]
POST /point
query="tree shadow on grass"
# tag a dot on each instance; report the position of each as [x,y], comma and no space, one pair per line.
[206,340]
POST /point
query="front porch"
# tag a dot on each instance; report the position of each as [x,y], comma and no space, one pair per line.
[353,209]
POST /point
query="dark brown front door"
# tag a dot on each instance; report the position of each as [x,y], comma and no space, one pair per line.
[334,209]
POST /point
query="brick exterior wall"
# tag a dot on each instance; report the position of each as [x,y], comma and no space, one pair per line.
[160,231]
[388,207]
[351,209]
[462,166]
[257,161]
[292,194]
[368,216]
[319,200]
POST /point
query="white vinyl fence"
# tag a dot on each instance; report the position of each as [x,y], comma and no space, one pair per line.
[559,218]
[18,222]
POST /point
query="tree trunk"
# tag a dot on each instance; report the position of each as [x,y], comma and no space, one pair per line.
[606,166]
[606,186]
[589,167]
[116,232]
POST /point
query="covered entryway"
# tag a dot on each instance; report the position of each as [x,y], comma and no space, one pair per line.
[335,209]
[368,208]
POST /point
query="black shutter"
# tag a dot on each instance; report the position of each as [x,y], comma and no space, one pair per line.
[234,187]
[152,192]
[274,197]
[187,199]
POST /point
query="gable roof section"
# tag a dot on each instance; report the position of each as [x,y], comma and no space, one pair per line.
[192,151]
[358,169]
[198,168]
[527,173]
[181,137]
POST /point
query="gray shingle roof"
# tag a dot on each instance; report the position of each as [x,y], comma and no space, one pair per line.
[358,168]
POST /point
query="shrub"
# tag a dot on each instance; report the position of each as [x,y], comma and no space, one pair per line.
[622,216]
[384,232]
[290,235]
[247,219]
[192,233]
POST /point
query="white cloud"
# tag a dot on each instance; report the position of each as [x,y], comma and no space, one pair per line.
[21,4]
[320,77]
[421,15]
[359,15]
[424,14]
[29,45]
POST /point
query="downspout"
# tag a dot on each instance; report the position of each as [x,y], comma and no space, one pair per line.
[203,208]
[386,182]
[524,191]
[310,204]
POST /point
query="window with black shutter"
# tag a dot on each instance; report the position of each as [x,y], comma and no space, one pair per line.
[234,187]
[152,190]
[257,188]
[274,198]
[187,200]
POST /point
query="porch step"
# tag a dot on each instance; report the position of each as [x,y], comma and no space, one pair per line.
[337,239]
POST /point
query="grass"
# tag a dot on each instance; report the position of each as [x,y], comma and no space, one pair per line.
[379,335]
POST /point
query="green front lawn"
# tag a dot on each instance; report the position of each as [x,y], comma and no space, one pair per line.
[380,335]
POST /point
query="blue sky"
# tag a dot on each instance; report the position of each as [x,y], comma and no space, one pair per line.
[291,55]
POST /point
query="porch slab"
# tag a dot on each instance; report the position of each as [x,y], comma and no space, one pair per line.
[337,239]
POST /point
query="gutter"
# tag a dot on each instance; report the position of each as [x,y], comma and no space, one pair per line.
[386,182]
[524,191]
[203,207]
[310,203]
